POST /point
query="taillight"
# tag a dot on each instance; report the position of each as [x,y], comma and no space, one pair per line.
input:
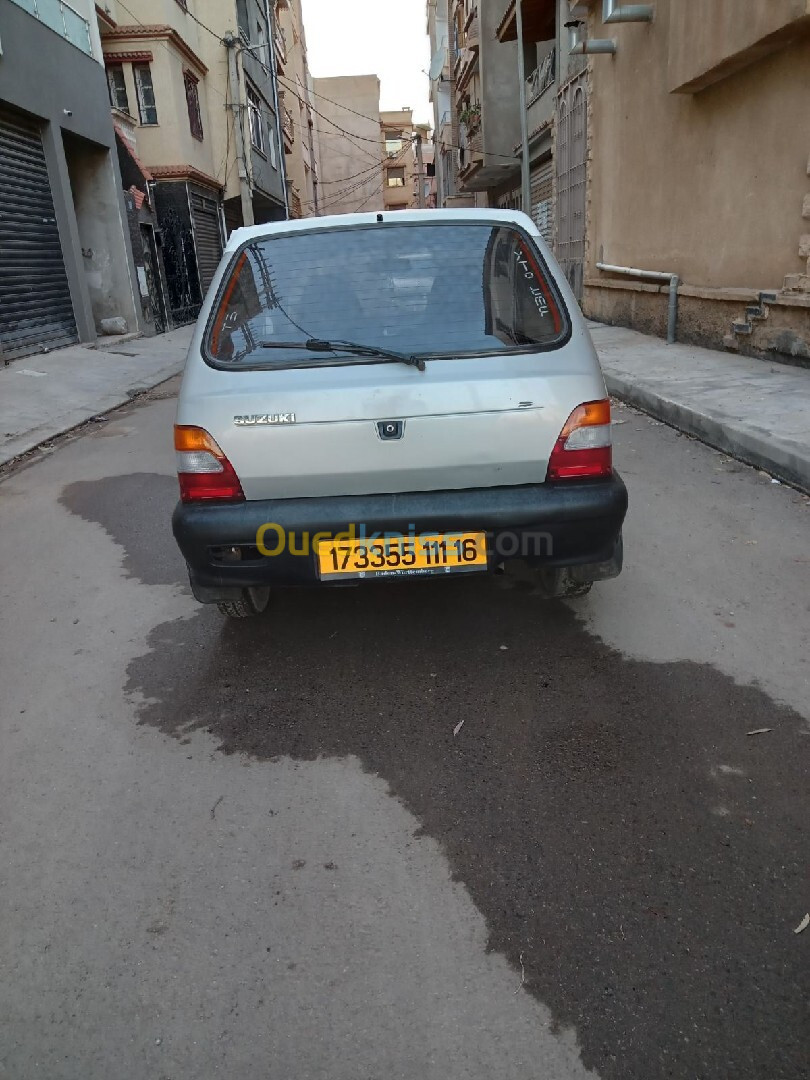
[583,449]
[202,469]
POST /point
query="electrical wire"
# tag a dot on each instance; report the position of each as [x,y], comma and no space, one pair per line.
[339,196]
[448,146]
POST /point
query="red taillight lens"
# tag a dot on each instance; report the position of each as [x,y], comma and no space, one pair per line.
[202,469]
[583,450]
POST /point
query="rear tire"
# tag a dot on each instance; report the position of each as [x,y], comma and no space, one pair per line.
[251,602]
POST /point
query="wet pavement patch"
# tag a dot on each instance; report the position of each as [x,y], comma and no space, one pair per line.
[136,511]
[610,818]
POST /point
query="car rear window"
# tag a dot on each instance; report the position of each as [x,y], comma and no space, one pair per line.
[441,290]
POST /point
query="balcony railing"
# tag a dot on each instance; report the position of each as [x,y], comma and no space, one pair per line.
[280,39]
[61,18]
[542,77]
[472,37]
[287,125]
[446,128]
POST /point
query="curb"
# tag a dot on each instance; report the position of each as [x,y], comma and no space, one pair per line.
[77,418]
[758,448]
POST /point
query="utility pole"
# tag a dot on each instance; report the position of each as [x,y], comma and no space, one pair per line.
[420,172]
[525,175]
[230,42]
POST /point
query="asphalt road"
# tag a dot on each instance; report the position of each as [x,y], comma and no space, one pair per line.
[258,850]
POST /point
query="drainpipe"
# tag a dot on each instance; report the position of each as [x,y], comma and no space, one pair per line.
[626,12]
[590,45]
[653,275]
[611,13]
[525,167]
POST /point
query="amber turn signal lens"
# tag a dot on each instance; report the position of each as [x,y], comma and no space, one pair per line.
[187,437]
[591,414]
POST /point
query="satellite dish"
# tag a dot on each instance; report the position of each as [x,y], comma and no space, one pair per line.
[438,61]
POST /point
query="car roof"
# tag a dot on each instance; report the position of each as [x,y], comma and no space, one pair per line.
[466,215]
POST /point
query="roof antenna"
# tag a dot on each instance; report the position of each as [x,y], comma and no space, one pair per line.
[379,217]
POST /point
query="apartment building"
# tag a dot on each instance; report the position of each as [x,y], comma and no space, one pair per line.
[401,172]
[485,90]
[65,258]
[445,125]
[194,97]
[298,110]
[348,126]
[696,148]
[548,65]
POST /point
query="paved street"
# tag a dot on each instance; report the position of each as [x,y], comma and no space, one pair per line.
[258,850]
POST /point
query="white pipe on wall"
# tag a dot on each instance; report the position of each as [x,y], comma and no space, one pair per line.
[626,12]
[653,275]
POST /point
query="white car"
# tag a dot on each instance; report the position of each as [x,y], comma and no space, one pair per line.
[392,395]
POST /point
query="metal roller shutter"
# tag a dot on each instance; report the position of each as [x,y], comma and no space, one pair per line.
[36,310]
[542,183]
[207,237]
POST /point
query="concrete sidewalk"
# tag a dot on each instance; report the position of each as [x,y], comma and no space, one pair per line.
[754,410]
[43,396]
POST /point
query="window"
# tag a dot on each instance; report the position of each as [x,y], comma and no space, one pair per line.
[387,287]
[242,19]
[147,110]
[393,142]
[395,178]
[261,53]
[117,87]
[271,141]
[193,103]
[255,118]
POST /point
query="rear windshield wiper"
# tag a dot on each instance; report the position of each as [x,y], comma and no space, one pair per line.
[319,345]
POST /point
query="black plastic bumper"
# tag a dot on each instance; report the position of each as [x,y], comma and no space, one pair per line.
[563,524]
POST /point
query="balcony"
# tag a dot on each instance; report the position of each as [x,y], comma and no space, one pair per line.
[467,68]
[540,87]
[446,129]
[62,19]
[481,166]
[280,40]
[288,129]
[472,37]
[539,21]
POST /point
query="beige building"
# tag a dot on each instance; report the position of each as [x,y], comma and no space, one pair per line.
[201,138]
[297,98]
[348,130]
[662,137]
[697,157]
[401,170]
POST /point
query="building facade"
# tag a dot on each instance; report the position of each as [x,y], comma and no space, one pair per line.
[442,98]
[296,94]
[348,130]
[193,87]
[66,261]
[660,138]
[698,152]
[401,172]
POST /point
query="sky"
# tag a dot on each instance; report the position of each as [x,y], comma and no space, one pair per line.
[373,37]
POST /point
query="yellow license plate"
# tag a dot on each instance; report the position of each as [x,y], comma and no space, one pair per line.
[402,556]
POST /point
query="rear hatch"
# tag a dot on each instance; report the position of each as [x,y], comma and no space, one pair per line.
[474,302]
